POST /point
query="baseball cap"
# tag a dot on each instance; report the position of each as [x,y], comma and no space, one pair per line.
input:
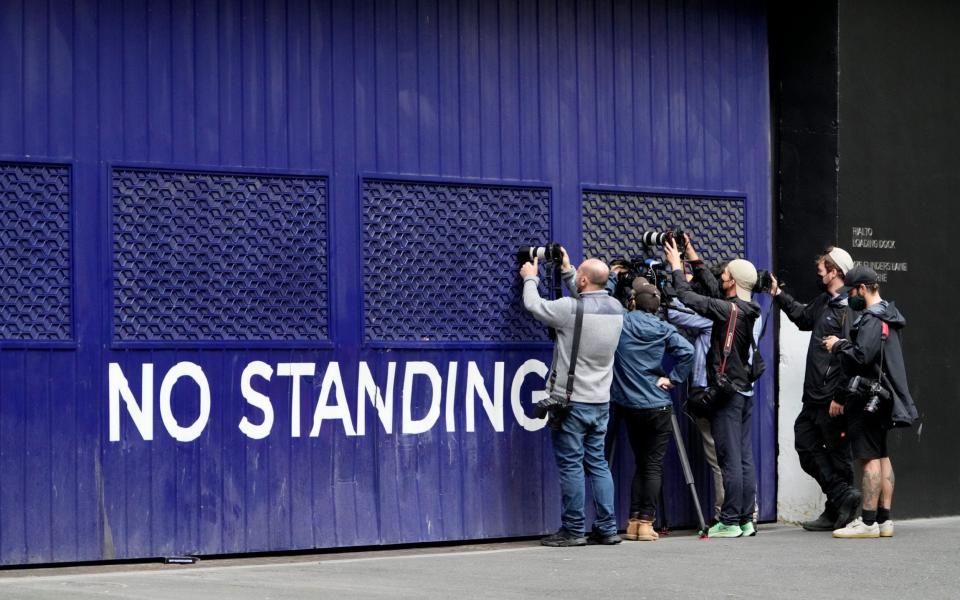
[841,258]
[859,275]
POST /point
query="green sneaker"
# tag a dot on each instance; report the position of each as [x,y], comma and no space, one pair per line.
[721,530]
[748,529]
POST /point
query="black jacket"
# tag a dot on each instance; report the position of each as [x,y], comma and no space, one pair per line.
[861,356]
[718,311]
[825,315]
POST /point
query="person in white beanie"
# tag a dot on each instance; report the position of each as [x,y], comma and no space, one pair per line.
[728,375]
[820,428]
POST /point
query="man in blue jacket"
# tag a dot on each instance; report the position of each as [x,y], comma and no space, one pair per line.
[641,398]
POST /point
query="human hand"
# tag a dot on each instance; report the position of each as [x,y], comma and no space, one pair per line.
[835,409]
[530,269]
[829,342]
[690,252]
[672,255]
[775,287]
[664,384]
[618,269]
[566,266]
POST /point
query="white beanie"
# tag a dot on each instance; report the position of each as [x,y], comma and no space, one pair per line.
[745,274]
[841,258]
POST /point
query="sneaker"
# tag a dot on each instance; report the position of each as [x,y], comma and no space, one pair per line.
[598,539]
[825,522]
[748,529]
[886,528]
[563,539]
[849,508]
[722,530]
[858,529]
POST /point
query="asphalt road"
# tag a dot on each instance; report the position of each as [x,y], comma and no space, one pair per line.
[921,561]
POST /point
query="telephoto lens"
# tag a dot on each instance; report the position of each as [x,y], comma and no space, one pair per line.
[653,238]
[552,252]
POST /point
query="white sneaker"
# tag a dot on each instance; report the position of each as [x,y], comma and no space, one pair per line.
[886,528]
[857,529]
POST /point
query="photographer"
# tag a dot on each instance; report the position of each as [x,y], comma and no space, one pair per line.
[819,438]
[700,330]
[881,400]
[728,376]
[641,397]
[579,427]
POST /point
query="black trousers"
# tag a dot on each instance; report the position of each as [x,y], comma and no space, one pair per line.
[824,451]
[649,431]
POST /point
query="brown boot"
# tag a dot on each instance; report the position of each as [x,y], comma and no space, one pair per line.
[633,526]
[646,533]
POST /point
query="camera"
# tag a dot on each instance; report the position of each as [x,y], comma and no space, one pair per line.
[552,252]
[764,281]
[651,269]
[658,238]
[871,389]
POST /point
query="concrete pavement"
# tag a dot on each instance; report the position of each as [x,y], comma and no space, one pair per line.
[921,561]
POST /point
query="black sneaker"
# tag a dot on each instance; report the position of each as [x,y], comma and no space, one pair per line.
[825,522]
[848,509]
[563,539]
[596,538]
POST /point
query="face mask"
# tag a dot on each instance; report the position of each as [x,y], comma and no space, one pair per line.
[857,303]
[821,285]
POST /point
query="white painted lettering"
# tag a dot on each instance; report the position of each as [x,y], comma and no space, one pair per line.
[141,414]
[339,411]
[296,371]
[368,390]
[536,367]
[476,387]
[193,431]
[418,367]
[253,397]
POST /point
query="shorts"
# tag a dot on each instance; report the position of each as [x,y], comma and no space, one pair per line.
[868,436]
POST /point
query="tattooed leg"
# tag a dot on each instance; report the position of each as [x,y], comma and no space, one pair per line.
[886,492]
[871,484]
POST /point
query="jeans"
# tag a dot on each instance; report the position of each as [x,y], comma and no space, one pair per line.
[578,447]
[731,425]
[824,452]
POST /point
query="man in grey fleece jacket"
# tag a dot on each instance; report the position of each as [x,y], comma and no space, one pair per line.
[578,438]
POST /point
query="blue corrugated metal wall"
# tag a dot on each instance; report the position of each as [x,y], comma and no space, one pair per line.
[256,98]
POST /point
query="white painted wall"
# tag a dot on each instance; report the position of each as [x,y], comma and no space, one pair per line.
[798,495]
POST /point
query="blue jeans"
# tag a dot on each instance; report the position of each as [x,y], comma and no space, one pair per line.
[578,446]
[731,426]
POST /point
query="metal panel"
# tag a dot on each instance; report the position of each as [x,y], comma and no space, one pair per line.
[218,257]
[36,303]
[651,96]
[451,228]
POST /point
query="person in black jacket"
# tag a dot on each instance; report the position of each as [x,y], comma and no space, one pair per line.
[873,351]
[731,421]
[819,431]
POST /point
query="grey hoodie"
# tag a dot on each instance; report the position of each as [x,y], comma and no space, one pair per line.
[602,322]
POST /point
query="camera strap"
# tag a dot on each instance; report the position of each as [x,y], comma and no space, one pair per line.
[884,334]
[728,337]
[575,349]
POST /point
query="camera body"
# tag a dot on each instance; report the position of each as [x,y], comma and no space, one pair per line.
[764,281]
[551,253]
[651,269]
[871,389]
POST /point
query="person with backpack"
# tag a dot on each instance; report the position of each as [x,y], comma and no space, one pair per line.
[878,397]
[730,373]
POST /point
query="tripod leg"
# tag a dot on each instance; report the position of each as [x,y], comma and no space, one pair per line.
[687,472]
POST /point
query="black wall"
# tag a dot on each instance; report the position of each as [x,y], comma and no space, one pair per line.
[899,175]
[888,164]
[803,43]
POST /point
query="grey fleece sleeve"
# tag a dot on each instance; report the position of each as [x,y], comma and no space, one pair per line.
[555,313]
[570,281]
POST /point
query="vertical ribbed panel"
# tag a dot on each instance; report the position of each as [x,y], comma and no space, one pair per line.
[640,96]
